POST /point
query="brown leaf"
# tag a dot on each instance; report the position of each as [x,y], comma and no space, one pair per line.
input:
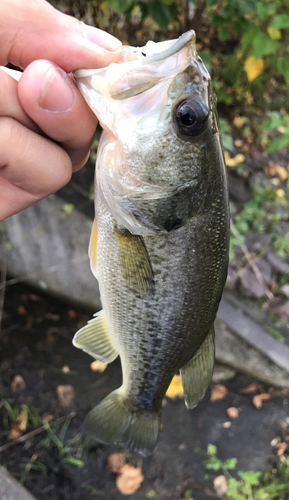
[129,479]
[251,388]
[18,384]
[115,462]
[218,392]
[65,369]
[19,427]
[281,447]
[220,486]
[48,418]
[21,310]
[175,389]
[72,313]
[258,400]
[233,412]
[66,395]
[98,366]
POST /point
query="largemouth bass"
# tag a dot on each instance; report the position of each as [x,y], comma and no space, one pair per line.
[159,243]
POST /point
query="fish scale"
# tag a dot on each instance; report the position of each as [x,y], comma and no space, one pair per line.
[159,245]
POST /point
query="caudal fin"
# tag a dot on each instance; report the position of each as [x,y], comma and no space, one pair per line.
[113,421]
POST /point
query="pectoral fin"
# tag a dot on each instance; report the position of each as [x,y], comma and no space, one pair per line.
[135,263]
[94,338]
[197,373]
[92,250]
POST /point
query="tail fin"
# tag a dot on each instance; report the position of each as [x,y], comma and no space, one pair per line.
[113,421]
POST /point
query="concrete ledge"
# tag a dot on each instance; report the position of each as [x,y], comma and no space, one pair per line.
[10,489]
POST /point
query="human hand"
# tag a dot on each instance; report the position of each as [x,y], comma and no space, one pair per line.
[46,128]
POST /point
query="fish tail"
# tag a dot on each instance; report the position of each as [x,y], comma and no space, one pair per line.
[114,421]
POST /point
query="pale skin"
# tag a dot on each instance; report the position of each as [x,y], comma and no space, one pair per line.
[46,128]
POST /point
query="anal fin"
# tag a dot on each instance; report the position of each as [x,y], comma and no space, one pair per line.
[95,339]
[197,373]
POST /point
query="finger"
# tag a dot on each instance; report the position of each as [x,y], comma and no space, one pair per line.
[31,167]
[9,102]
[49,96]
[36,30]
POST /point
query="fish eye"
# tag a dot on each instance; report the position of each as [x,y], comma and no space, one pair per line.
[190,117]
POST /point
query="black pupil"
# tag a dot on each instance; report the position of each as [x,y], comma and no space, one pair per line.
[187,115]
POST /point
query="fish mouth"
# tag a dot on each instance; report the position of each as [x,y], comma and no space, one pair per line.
[152,52]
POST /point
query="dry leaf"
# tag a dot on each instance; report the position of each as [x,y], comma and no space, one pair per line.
[238,143]
[115,462]
[251,388]
[258,400]
[65,369]
[72,313]
[66,395]
[220,486]
[18,384]
[175,389]
[218,392]
[98,366]
[129,479]
[239,121]
[233,412]
[19,427]
[236,160]
[281,447]
[48,418]
[253,67]
[21,310]
[274,169]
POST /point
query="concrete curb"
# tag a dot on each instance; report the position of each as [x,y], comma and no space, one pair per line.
[10,489]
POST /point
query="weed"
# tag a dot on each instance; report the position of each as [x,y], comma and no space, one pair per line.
[67,452]
[272,485]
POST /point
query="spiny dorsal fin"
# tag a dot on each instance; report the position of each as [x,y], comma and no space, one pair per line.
[92,250]
[197,373]
[94,338]
[135,263]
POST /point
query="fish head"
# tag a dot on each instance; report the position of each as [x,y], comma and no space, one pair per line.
[158,109]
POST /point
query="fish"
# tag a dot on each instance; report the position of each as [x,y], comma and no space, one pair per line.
[160,238]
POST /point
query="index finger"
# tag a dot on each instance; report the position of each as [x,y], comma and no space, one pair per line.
[36,30]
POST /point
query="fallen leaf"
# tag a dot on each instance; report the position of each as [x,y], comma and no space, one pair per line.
[253,67]
[48,418]
[129,479]
[236,160]
[233,412]
[19,427]
[21,310]
[281,447]
[274,169]
[18,384]
[65,369]
[218,392]
[239,121]
[258,400]
[66,395]
[72,313]
[175,389]
[220,486]
[98,366]
[238,143]
[251,388]
[274,33]
[115,462]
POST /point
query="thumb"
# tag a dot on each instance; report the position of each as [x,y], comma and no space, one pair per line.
[36,30]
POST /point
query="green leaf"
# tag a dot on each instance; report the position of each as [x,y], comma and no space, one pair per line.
[279,143]
[224,33]
[212,449]
[230,463]
[264,11]
[160,13]
[250,478]
[121,6]
[280,21]
[68,208]
[263,45]
[283,67]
